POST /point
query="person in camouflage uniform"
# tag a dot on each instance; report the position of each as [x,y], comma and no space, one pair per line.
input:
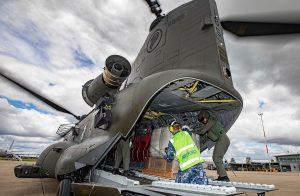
[215,132]
[192,173]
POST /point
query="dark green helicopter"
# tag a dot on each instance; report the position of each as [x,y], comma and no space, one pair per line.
[181,69]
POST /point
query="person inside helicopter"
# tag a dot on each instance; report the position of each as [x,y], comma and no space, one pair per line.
[122,154]
[104,116]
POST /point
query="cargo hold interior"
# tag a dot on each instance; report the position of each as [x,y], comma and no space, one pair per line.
[181,101]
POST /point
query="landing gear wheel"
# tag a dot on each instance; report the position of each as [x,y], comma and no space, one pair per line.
[64,188]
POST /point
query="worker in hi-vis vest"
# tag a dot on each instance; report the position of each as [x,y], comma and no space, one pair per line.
[215,132]
[184,149]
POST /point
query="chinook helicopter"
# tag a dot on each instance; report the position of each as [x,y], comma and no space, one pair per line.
[181,69]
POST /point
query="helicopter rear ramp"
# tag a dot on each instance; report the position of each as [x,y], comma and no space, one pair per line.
[110,184]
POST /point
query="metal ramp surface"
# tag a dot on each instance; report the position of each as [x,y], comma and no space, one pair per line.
[106,183]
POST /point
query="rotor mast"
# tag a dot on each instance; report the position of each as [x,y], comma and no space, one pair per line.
[155,7]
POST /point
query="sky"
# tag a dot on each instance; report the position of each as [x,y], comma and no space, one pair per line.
[56,46]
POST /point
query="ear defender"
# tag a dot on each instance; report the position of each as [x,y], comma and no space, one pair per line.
[171,129]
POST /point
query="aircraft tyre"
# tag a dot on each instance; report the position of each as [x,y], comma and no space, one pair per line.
[64,188]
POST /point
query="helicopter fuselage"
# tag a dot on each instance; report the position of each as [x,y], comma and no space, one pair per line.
[181,69]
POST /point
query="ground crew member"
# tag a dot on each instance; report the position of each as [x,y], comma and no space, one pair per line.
[215,131]
[188,155]
[123,153]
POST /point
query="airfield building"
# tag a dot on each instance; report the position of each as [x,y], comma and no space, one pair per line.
[289,162]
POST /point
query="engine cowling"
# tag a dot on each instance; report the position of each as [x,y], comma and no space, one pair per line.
[116,70]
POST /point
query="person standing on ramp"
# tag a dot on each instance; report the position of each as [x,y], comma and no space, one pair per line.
[183,147]
[215,131]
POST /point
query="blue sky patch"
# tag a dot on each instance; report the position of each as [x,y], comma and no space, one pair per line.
[23,105]
[81,58]
[261,104]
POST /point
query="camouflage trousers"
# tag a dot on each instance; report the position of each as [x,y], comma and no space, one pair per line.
[193,175]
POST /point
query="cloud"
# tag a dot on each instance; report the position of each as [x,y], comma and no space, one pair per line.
[265,70]
[25,145]
[278,116]
[81,58]
[27,122]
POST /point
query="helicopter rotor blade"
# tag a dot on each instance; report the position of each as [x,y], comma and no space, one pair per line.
[243,29]
[37,95]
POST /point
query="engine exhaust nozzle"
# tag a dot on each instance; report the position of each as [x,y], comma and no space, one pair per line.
[116,70]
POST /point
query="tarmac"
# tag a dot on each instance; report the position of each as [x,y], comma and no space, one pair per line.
[288,183]
[11,185]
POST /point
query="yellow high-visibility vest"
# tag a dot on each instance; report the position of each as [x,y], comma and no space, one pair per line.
[187,153]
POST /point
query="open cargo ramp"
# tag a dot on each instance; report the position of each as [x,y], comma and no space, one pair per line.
[106,183]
